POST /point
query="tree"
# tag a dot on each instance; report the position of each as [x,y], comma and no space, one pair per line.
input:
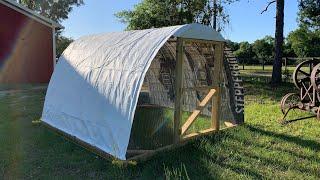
[62,44]
[245,53]
[264,48]
[234,46]
[309,13]
[155,13]
[245,50]
[305,42]
[288,51]
[56,10]
[277,62]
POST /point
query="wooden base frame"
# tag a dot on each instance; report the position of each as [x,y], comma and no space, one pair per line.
[180,135]
[137,155]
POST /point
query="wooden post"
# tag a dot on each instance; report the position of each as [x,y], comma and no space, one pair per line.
[178,90]
[285,63]
[216,100]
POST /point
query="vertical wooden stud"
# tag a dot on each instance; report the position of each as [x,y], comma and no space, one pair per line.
[216,100]
[178,90]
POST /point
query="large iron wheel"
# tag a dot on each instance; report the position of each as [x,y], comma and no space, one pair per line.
[302,73]
[315,77]
[288,102]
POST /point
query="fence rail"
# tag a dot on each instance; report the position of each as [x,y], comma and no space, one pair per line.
[286,61]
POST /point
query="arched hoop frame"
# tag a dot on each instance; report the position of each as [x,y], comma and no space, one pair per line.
[180,130]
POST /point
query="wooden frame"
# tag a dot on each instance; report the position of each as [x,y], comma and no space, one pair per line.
[180,136]
[214,94]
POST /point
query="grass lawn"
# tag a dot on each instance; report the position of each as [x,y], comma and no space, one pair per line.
[261,148]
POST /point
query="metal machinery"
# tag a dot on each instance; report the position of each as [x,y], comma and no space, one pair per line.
[306,78]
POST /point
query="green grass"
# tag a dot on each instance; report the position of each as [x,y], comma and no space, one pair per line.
[146,134]
[261,148]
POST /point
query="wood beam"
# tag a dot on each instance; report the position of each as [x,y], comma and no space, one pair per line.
[197,134]
[178,89]
[200,88]
[189,40]
[216,101]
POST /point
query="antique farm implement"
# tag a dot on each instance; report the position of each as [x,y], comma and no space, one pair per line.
[306,77]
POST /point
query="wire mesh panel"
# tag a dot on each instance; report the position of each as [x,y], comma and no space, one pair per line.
[153,122]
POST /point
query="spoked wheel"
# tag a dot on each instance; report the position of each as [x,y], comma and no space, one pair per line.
[288,102]
[302,73]
[315,77]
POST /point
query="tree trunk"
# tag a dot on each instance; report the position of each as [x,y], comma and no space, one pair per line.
[277,63]
[215,14]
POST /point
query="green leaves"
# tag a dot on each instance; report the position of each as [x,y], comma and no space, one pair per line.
[56,10]
[305,42]
[309,14]
[154,13]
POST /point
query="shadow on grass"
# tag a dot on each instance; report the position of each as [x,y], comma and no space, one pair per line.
[314,145]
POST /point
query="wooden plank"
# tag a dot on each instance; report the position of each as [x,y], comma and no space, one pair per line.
[178,90]
[197,112]
[216,101]
[190,121]
[203,132]
[201,88]
[190,40]
[207,98]
[229,124]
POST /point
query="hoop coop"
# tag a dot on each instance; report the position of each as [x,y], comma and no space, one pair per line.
[131,94]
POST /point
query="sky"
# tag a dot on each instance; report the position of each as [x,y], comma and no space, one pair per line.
[246,22]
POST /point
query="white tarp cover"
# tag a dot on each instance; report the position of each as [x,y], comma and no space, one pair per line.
[95,86]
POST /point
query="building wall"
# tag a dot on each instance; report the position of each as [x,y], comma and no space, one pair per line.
[26,54]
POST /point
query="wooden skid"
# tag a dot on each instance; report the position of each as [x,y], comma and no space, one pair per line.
[142,154]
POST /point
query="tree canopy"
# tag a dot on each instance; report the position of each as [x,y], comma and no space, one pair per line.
[309,13]
[56,10]
[155,13]
[305,43]
[62,44]
[264,48]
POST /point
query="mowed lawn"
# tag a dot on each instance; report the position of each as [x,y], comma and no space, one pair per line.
[262,148]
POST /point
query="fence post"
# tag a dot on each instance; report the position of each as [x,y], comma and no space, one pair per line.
[285,64]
